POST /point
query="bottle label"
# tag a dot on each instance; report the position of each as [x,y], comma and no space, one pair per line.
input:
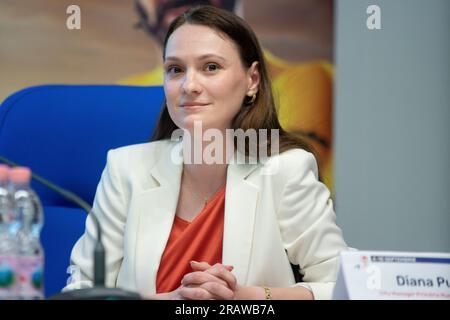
[31,281]
[8,278]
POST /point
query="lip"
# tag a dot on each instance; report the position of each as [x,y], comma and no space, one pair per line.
[193,104]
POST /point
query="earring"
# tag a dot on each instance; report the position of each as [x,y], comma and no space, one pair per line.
[250,102]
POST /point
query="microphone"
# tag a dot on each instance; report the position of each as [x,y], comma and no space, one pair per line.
[99,291]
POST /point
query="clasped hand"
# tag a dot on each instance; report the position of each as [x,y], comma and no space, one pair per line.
[207,282]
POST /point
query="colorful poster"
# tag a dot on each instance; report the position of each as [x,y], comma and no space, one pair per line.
[297,39]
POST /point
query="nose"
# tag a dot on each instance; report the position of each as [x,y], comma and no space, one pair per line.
[191,83]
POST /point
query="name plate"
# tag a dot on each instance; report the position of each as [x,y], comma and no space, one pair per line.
[387,275]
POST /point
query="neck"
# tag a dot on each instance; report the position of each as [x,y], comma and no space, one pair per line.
[206,162]
[205,177]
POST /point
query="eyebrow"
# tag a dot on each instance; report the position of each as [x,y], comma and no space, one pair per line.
[202,57]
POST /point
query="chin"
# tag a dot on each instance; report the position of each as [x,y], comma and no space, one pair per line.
[189,122]
[195,128]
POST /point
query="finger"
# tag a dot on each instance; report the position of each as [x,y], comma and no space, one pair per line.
[203,266]
[223,273]
[200,266]
[218,291]
[195,293]
[200,277]
[220,271]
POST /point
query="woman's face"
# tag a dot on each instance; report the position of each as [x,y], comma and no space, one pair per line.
[204,78]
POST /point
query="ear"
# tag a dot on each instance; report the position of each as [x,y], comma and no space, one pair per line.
[254,79]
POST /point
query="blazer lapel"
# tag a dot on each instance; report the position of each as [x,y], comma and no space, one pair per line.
[240,208]
[156,208]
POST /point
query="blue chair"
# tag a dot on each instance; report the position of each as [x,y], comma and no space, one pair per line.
[63,132]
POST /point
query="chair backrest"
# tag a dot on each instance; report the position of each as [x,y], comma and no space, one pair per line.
[63,132]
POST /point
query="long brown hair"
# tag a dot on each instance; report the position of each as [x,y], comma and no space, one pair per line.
[261,114]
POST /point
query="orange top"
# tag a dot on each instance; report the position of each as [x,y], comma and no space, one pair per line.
[198,240]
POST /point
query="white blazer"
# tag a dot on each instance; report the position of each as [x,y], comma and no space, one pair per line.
[275,213]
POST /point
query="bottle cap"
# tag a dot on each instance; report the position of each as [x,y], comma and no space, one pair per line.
[4,172]
[20,175]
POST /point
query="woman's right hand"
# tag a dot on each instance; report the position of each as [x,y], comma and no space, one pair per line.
[207,283]
[204,283]
[211,290]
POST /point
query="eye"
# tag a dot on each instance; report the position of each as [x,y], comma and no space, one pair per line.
[212,67]
[173,70]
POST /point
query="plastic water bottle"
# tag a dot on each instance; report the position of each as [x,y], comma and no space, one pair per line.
[8,250]
[28,211]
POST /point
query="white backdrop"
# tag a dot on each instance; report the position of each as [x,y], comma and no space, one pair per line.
[392,125]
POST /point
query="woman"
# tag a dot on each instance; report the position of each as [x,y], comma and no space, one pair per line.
[222,229]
